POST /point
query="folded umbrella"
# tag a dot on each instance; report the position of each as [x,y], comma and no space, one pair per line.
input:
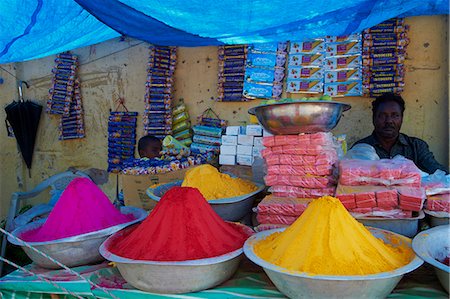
[24,116]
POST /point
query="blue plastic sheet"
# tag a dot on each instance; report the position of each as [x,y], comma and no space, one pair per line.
[36,28]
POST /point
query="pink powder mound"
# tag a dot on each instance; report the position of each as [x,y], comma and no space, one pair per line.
[82,208]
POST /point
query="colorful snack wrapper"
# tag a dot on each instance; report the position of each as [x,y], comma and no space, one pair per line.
[351,88]
[314,46]
[338,49]
[304,86]
[343,62]
[343,75]
[305,73]
[306,60]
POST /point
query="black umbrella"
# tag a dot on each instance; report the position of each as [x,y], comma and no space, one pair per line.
[24,117]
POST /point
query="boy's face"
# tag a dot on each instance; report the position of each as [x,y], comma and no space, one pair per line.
[151,150]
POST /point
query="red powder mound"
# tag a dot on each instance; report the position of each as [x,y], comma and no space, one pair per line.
[82,208]
[182,226]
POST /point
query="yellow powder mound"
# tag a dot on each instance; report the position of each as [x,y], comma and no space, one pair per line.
[327,240]
[215,185]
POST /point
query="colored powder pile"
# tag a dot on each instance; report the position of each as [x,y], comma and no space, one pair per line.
[82,208]
[327,240]
[215,185]
[182,226]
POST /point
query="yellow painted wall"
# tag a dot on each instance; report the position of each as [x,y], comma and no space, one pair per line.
[116,69]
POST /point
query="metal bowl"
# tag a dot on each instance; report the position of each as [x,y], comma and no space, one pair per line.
[437,218]
[72,251]
[431,244]
[174,277]
[303,285]
[229,209]
[299,117]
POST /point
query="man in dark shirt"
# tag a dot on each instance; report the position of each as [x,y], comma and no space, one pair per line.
[387,118]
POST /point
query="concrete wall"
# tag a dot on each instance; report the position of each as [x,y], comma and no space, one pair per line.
[117,68]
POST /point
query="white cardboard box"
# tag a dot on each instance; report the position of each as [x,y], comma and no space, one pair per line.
[256,151]
[244,149]
[227,159]
[244,160]
[234,130]
[228,150]
[266,133]
[245,139]
[253,130]
[229,140]
[257,141]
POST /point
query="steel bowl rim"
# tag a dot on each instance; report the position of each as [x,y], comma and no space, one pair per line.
[248,250]
[140,213]
[108,255]
[345,107]
[420,247]
[226,200]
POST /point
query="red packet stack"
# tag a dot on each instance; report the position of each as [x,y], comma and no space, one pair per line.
[300,166]
[280,210]
[382,188]
[437,189]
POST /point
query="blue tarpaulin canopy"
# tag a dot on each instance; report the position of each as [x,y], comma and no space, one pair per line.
[36,28]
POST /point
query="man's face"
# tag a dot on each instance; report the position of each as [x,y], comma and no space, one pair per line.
[387,120]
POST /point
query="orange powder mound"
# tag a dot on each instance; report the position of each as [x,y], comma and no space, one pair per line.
[82,208]
[327,240]
[182,226]
[215,185]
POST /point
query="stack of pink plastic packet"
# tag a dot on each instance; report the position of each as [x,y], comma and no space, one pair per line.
[300,166]
[389,188]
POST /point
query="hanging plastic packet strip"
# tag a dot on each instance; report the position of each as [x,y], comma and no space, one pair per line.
[376,92]
[231,78]
[232,98]
[69,82]
[390,29]
[181,126]
[238,51]
[343,75]
[62,87]
[232,71]
[207,131]
[305,73]
[67,123]
[67,55]
[121,134]
[385,36]
[67,72]
[265,48]
[385,85]
[157,121]
[214,122]
[386,49]
[180,117]
[158,127]
[152,99]
[182,134]
[383,79]
[179,109]
[203,148]
[231,86]
[314,46]
[385,43]
[259,75]
[157,82]
[206,140]
[384,60]
[122,119]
